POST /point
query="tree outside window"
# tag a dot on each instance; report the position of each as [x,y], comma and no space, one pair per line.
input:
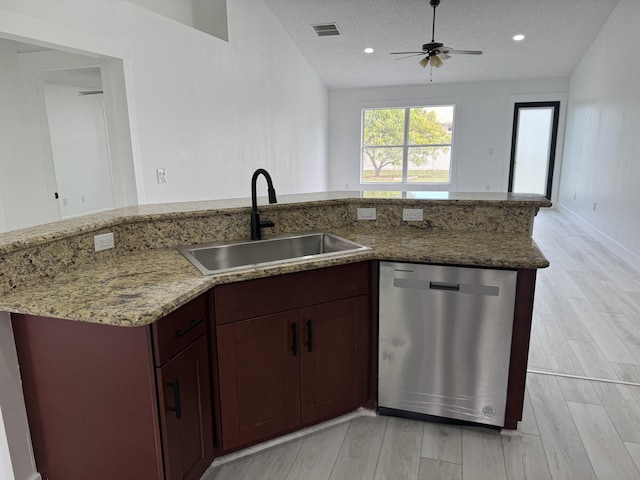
[407,145]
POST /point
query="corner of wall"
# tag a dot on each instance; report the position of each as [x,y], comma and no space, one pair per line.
[620,250]
[16,454]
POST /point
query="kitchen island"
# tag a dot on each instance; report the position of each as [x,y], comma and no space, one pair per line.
[51,272]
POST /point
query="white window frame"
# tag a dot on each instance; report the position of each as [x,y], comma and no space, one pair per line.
[404,185]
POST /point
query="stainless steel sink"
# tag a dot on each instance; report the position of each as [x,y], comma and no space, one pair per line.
[212,258]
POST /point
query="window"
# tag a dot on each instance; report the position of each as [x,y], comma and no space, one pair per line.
[407,145]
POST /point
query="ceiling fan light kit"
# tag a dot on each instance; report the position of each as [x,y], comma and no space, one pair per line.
[435,52]
[435,61]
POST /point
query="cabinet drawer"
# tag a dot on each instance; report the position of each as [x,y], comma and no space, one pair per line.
[264,296]
[179,329]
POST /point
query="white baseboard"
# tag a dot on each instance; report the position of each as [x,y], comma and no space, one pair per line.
[360,412]
[621,251]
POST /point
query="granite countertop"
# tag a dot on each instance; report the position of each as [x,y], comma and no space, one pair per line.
[141,287]
[25,237]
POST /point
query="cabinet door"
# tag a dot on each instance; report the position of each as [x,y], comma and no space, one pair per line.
[333,361]
[259,375]
[185,413]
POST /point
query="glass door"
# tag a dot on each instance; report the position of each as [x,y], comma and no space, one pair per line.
[533,147]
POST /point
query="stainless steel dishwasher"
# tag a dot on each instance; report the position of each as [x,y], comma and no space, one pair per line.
[445,341]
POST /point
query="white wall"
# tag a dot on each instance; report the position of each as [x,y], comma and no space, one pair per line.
[602,148]
[208,111]
[482,132]
[80,150]
[27,186]
[218,111]
[22,181]
[207,15]
[6,468]
[14,431]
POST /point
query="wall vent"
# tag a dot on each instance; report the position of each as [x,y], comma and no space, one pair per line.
[326,29]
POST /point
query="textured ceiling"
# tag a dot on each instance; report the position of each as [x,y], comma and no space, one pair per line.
[558,33]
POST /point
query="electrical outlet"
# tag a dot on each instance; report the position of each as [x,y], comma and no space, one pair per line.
[412,214]
[161,175]
[103,242]
[366,214]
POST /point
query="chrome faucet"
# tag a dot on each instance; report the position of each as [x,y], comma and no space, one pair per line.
[256,224]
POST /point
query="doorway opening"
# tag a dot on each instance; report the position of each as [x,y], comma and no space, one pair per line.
[533,147]
[79,139]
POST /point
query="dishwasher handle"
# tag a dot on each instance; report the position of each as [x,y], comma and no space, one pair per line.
[463,288]
[450,287]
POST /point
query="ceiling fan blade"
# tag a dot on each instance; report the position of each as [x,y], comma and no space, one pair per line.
[463,52]
[409,56]
[424,62]
[406,53]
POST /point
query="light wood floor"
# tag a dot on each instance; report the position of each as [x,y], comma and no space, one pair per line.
[586,324]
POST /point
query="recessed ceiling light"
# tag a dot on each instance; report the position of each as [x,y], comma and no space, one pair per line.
[369,50]
[518,38]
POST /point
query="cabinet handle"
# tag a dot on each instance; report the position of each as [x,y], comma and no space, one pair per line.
[309,335]
[194,323]
[294,340]
[175,386]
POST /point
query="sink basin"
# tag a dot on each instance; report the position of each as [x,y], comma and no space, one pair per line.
[212,258]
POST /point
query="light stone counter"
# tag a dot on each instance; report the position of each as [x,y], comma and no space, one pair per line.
[42,234]
[52,270]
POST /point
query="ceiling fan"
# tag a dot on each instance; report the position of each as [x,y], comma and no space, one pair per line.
[435,52]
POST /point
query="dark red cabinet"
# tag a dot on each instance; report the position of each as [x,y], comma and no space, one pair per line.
[185,412]
[333,359]
[100,402]
[259,379]
[159,402]
[286,369]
